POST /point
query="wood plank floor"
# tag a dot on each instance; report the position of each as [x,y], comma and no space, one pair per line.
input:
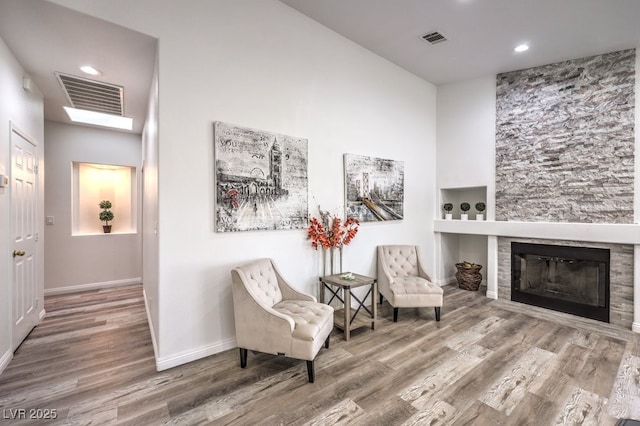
[485,363]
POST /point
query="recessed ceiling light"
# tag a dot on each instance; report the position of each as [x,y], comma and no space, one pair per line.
[88,69]
[521,48]
[99,119]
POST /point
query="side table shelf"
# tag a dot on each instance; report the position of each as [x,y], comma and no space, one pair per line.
[349,318]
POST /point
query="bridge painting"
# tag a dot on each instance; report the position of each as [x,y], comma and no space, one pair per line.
[374,188]
[261,180]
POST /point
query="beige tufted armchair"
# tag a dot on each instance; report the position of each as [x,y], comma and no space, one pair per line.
[272,317]
[404,282]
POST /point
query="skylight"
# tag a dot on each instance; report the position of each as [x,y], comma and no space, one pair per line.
[99,119]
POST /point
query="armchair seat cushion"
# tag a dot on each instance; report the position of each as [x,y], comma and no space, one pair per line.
[310,318]
[415,291]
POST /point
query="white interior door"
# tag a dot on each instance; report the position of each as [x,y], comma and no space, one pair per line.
[24,196]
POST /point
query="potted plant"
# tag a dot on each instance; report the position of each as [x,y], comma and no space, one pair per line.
[465,207]
[106,215]
[447,208]
[480,207]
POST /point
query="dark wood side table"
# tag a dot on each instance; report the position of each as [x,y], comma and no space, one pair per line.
[342,317]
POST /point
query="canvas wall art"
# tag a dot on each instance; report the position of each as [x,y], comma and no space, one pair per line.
[261,179]
[374,188]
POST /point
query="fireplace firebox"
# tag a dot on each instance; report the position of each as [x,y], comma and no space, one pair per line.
[568,279]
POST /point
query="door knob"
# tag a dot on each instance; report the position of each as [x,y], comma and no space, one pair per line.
[18,253]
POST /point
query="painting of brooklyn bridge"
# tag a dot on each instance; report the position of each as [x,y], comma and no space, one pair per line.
[261,179]
[374,188]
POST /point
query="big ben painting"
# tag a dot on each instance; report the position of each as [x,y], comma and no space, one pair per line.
[261,180]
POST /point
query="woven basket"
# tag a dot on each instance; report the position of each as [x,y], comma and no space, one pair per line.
[469,277]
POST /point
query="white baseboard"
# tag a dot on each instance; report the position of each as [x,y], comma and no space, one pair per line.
[446,281]
[635,327]
[151,327]
[185,357]
[5,359]
[91,286]
[41,315]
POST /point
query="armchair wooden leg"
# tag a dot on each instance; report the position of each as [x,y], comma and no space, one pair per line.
[326,342]
[438,313]
[243,357]
[395,314]
[381,300]
[310,371]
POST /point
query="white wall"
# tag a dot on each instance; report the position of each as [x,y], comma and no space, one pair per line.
[80,262]
[465,159]
[262,64]
[150,210]
[26,111]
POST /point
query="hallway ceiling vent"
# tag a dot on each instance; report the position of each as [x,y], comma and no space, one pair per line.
[92,95]
[434,37]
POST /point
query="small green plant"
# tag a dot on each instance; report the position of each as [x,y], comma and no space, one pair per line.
[480,206]
[106,215]
[465,207]
[447,207]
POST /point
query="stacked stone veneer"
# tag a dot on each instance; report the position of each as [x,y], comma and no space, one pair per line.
[565,153]
[565,141]
[620,275]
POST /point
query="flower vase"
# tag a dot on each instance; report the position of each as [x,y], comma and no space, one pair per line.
[330,264]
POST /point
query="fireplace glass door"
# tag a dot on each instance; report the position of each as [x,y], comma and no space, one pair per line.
[569,279]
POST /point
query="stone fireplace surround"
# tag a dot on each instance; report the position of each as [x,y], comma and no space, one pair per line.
[564,172]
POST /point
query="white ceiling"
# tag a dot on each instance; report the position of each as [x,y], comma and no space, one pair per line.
[481,33]
[46,38]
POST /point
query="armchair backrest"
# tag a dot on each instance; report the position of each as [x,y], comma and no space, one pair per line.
[400,260]
[261,281]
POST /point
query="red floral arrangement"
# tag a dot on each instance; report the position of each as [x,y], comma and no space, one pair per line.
[333,233]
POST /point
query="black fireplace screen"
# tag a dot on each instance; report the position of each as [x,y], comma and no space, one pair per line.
[568,279]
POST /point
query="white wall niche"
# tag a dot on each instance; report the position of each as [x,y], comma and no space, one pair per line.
[456,196]
[94,182]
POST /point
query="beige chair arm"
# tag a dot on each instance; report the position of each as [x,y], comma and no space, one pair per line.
[422,271]
[258,313]
[384,274]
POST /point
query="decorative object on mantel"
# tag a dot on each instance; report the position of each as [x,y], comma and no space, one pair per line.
[106,215]
[480,207]
[447,208]
[465,207]
[468,275]
[330,234]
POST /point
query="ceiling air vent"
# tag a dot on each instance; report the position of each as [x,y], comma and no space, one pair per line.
[92,95]
[434,37]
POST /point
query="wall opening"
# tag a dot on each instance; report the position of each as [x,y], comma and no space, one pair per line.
[93,183]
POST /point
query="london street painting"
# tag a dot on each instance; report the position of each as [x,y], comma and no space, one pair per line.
[261,179]
[374,188]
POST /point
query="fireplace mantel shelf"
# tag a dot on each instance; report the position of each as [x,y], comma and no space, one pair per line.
[593,232]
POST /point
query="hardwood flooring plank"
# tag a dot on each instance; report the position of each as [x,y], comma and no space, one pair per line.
[624,401]
[343,413]
[487,362]
[601,367]
[511,388]
[584,408]
[438,413]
